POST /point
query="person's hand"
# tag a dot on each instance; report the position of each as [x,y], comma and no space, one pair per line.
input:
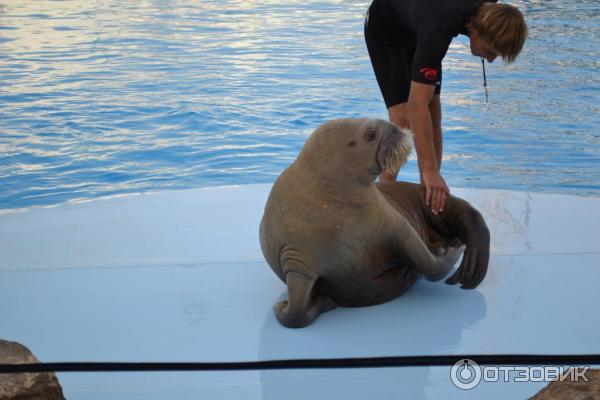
[435,191]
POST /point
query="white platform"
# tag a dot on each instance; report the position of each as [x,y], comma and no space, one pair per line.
[179,276]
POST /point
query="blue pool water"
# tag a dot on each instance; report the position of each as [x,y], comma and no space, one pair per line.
[104,98]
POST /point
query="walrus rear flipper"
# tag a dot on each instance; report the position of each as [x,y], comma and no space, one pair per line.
[302,306]
[466,223]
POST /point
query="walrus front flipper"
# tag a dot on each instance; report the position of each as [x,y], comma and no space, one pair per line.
[466,223]
[433,266]
[302,306]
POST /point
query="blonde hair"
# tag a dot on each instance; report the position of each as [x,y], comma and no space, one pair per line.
[503,27]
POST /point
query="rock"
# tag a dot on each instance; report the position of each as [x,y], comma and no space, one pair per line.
[580,390]
[25,386]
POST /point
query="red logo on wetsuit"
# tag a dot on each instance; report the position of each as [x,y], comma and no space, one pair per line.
[429,73]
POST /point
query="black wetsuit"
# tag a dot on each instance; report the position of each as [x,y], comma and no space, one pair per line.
[407,40]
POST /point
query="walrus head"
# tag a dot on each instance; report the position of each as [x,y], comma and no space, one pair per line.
[359,149]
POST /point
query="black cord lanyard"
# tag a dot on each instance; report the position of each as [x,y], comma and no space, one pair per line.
[484,80]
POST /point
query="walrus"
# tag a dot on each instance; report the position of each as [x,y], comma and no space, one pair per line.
[335,237]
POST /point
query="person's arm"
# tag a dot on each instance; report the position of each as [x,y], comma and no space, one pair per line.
[421,124]
[433,39]
[435,109]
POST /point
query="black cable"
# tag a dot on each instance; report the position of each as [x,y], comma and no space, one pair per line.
[370,362]
[484,80]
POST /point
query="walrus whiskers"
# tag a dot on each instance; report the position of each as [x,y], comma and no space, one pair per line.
[398,154]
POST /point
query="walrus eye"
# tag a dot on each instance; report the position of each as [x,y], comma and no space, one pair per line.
[352,144]
[371,135]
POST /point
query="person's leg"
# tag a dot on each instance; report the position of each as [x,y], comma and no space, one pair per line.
[391,64]
[398,115]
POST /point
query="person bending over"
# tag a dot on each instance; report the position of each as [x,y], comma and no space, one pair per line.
[407,40]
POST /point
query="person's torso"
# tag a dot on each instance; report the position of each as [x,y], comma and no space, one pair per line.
[409,17]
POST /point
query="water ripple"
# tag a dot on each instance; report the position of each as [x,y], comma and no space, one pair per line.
[103,98]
